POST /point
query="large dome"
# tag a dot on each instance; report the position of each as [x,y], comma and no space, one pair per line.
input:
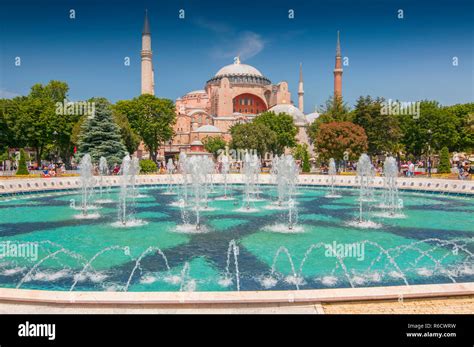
[239,73]
[238,69]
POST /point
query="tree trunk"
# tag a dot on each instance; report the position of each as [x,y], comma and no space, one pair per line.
[38,157]
[153,155]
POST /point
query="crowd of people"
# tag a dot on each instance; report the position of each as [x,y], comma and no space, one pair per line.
[407,168]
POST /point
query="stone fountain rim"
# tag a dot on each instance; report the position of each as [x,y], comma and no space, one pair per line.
[235,297]
[41,185]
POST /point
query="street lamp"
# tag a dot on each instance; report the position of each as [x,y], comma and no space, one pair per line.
[56,154]
[429,164]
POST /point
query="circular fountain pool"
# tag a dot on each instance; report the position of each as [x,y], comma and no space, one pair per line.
[45,246]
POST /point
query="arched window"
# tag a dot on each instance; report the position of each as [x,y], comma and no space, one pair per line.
[247,99]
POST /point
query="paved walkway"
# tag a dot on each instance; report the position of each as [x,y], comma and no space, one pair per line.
[462,304]
[25,308]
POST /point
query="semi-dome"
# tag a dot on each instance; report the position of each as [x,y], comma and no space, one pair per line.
[201,91]
[298,116]
[311,117]
[208,129]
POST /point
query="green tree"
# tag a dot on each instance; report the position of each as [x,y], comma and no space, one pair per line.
[151,118]
[306,167]
[444,163]
[300,152]
[130,138]
[464,113]
[254,136]
[100,135]
[433,127]
[382,128]
[213,144]
[147,166]
[341,141]
[34,120]
[22,167]
[7,135]
[333,110]
[283,126]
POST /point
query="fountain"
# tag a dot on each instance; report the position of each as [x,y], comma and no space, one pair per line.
[251,171]
[128,193]
[365,175]
[103,171]
[170,170]
[389,260]
[183,168]
[87,188]
[286,172]
[208,170]
[332,172]
[198,169]
[100,251]
[392,204]
[227,281]
[225,172]
[134,172]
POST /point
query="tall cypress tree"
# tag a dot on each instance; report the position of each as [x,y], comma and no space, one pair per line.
[444,163]
[100,135]
[22,167]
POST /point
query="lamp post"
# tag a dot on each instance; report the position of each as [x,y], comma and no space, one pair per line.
[429,164]
[56,154]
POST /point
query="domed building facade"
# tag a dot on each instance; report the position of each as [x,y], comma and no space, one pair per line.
[237,93]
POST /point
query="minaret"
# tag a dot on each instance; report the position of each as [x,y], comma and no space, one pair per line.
[338,70]
[148,83]
[300,90]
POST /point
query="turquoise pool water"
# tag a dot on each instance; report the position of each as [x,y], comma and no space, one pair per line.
[431,243]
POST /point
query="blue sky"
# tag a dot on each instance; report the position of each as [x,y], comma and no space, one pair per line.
[408,59]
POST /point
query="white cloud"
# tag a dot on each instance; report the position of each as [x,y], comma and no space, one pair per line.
[5,94]
[229,42]
[245,44]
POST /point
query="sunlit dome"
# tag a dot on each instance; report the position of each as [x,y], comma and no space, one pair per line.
[239,73]
[208,129]
[238,69]
[293,111]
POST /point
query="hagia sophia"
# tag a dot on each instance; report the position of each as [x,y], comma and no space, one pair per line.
[237,93]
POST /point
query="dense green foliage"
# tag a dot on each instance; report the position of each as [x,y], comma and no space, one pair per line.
[151,118]
[34,121]
[284,128]
[214,144]
[147,166]
[444,163]
[382,130]
[253,136]
[300,152]
[22,167]
[100,135]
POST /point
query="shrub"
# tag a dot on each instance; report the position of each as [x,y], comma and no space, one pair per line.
[306,165]
[147,166]
[444,164]
[22,168]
